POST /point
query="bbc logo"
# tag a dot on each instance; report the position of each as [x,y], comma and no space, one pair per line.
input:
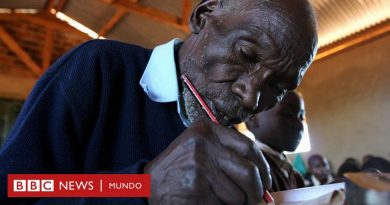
[33,185]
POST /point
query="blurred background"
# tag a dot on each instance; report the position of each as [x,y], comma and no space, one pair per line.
[346,90]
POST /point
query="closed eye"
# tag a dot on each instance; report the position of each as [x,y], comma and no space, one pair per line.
[248,55]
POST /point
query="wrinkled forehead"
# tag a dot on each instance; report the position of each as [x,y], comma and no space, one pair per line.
[277,31]
[291,24]
[274,27]
[270,16]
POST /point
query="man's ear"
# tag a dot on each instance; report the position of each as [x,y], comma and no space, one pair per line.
[200,14]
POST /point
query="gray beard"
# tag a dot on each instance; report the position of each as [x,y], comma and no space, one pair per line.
[191,106]
[193,109]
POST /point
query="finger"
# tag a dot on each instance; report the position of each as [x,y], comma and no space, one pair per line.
[245,147]
[202,169]
[265,170]
[225,189]
[242,172]
[203,160]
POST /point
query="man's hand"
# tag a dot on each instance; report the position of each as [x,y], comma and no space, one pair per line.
[209,164]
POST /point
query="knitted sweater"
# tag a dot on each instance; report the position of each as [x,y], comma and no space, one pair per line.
[88,114]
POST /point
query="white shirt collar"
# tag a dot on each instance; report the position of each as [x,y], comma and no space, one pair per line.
[317,182]
[159,79]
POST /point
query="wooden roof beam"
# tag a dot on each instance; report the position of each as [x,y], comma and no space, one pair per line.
[54,24]
[50,4]
[149,12]
[60,5]
[112,22]
[57,5]
[113,1]
[12,44]
[48,48]
[186,12]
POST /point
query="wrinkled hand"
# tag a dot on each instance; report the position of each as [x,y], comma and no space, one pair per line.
[209,164]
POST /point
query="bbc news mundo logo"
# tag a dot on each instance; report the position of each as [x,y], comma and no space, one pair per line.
[78,185]
[33,186]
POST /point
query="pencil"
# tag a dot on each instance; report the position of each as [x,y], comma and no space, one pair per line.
[269,200]
[198,97]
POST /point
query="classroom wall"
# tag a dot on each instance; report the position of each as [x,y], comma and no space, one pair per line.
[347,100]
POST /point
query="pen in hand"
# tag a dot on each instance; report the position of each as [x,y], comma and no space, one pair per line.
[267,196]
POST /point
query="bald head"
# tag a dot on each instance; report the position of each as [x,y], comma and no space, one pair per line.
[244,56]
[292,25]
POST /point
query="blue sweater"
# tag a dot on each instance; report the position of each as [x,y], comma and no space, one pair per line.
[88,114]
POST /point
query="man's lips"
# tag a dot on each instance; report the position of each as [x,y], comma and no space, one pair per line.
[219,114]
[236,114]
[241,116]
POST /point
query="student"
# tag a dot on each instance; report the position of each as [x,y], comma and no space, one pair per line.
[319,172]
[112,107]
[377,163]
[349,165]
[277,130]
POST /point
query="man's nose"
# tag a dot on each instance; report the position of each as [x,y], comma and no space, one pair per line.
[247,90]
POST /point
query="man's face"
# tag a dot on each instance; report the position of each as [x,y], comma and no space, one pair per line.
[241,68]
[282,126]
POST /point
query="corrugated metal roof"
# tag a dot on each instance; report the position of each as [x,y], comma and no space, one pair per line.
[91,13]
[139,30]
[337,19]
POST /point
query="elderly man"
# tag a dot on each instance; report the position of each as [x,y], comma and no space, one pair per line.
[280,129]
[89,113]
